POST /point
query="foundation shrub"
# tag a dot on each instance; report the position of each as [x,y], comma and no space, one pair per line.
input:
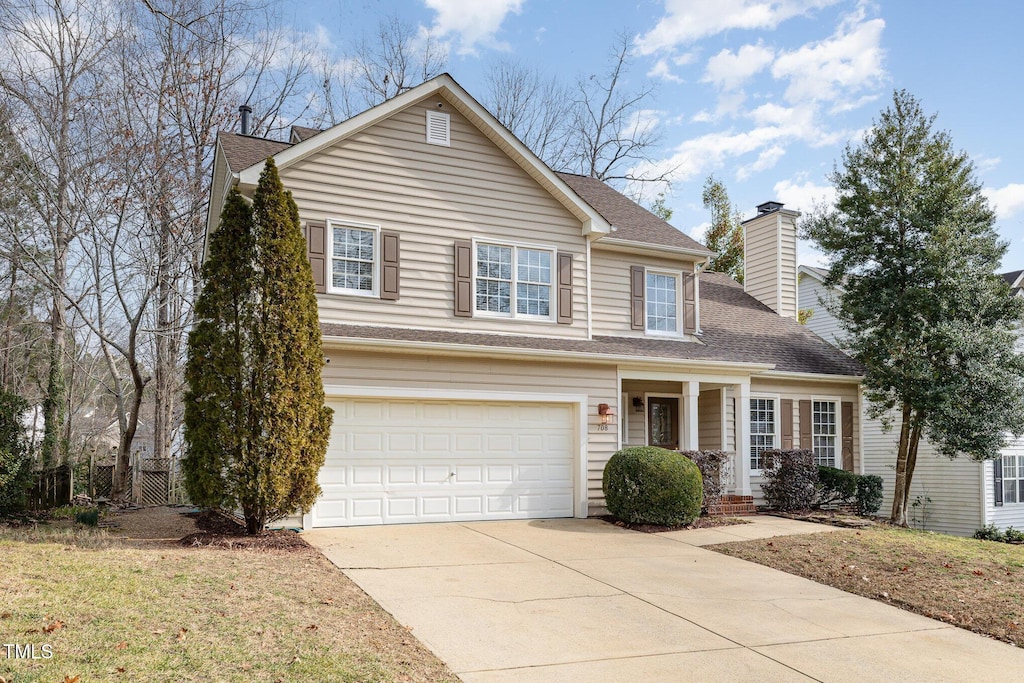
[710,465]
[649,485]
[790,479]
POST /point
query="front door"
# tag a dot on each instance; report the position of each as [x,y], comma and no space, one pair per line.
[663,422]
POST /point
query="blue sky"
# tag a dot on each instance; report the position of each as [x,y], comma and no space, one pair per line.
[765,94]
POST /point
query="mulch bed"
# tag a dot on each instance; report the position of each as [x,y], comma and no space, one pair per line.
[218,530]
[703,522]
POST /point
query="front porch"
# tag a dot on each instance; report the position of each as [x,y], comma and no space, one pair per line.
[698,413]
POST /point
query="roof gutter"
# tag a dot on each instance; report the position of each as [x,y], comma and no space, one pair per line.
[575,356]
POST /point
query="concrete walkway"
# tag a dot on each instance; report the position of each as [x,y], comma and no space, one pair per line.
[582,600]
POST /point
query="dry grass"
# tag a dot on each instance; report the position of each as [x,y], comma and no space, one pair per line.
[119,610]
[977,585]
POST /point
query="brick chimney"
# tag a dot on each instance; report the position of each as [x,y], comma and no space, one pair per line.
[770,258]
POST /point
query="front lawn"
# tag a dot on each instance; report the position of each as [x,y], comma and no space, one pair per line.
[977,585]
[111,610]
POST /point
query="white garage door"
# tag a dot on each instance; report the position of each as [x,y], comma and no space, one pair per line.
[397,461]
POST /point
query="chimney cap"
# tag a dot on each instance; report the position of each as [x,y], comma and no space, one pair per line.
[769,207]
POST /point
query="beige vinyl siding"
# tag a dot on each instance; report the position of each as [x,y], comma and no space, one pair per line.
[610,288]
[408,371]
[761,261]
[709,423]
[812,294]
[804,391]
[954,486]
[788,277]
[388,175]
[1008,514]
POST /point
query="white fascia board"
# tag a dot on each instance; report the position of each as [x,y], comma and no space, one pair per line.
[439,348]
[629,246]
[811,376]
[445,86]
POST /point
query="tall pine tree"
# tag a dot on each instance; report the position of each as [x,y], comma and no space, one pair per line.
[912,242]
[256,423]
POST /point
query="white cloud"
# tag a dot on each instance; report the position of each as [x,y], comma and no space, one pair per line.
[661,70]
[474,22]
[803,196]
[729,70]
[765,160]
[686,21]
[700,231]
[986,163]
[1006,201]
[837,68]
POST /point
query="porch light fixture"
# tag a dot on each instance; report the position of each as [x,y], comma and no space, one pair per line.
[638,404]
[605,411]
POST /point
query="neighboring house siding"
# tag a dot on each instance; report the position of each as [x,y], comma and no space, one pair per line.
[1008,514]
[400,370]
[431,195]
[797,392]
[813,296]
[953,486]
[610,288]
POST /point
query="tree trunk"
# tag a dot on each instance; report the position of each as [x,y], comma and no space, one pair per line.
[166,350]
[899,500]
[915,440]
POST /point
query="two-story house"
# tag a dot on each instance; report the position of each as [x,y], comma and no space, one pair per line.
[952,496]
[495,331]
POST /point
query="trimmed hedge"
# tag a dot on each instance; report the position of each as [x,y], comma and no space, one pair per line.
[840,486]
[650,485]
[790,479]
[710,465]
[869,494]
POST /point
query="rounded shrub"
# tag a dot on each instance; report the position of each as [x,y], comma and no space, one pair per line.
[649,485]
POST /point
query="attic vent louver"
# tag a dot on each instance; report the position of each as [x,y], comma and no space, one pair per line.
[438,128]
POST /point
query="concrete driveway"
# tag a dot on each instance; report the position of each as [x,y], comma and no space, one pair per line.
[582,600]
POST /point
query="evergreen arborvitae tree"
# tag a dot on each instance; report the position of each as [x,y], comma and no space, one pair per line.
[725,236]
[255,420]
[15,458]
[288,419]
[219,359]
[912,244]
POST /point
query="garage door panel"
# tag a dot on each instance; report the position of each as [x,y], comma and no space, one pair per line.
[446,461]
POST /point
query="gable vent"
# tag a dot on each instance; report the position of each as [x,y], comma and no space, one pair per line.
[438,128]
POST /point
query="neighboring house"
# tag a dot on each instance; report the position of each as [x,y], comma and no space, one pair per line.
[952,496]
[494,331]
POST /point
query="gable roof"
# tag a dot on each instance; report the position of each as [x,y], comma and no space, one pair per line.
[300,133]
[739,330]
[629,220]
[243,151]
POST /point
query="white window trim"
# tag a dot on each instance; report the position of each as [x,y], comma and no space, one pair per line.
[837,460]
[777,431]
[1020,475]
[678,275]
[624,408]
[513,314]
[340,223]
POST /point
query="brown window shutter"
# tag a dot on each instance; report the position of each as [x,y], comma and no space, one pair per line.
[316,252]
[564,288]
[805,425]
[464,278]
[997,481]
[689,303]
[786,410]
[847,408]
[638,287]
[390,261]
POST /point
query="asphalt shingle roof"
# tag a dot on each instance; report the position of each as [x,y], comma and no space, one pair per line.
[243,151]
[633,222]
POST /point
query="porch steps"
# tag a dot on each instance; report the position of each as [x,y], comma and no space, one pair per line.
[733,505]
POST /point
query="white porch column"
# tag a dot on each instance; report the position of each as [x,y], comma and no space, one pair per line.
[742,417]
[691,391]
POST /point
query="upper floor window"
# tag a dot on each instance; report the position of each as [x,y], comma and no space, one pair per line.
[353,258]
[513,281]
[824,432]
[662,302]
[762,429]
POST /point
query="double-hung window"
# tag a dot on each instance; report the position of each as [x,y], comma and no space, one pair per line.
[1013,478]
[762,429]
[353,258]
[662,303]
[824,432]
[513,281]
